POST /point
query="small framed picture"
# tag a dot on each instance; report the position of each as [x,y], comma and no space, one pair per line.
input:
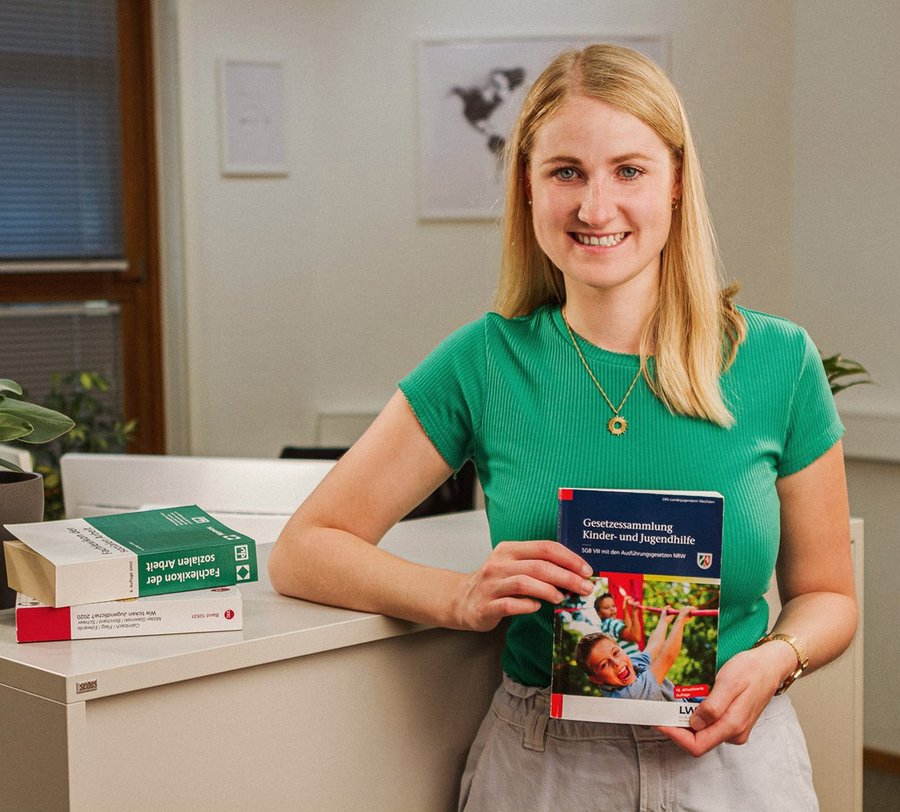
[251,105]
[470,92]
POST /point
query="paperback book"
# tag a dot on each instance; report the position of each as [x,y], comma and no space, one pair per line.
[641,648]
[126,555]
[205,610]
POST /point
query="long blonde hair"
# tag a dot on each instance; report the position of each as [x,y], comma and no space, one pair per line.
[695,330]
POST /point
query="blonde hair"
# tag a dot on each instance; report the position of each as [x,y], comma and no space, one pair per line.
[695,330]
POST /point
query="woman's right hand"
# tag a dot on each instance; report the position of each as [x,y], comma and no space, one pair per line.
[516,576]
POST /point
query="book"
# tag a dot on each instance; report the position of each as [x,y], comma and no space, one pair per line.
[126,555]
[204,610]
[641,648]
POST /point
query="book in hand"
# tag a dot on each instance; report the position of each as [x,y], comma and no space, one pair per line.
[204,610]
[126,555]
[641,648]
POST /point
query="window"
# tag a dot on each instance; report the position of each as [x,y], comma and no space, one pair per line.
[79,275]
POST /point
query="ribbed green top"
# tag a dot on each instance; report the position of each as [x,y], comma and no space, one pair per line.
[512,395]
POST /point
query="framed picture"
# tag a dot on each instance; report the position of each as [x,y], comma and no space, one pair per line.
[251,118]
[470,92]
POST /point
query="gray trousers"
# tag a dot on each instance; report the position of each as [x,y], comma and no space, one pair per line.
[524,761]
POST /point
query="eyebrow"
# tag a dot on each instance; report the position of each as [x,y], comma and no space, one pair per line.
[618,159]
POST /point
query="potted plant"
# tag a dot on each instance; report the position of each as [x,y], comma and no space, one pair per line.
[98,429]
[839,369]
[22,492]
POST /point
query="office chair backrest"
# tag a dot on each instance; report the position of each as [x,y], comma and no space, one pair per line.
[240,491]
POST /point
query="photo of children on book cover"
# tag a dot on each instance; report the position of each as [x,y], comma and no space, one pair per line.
[640,638]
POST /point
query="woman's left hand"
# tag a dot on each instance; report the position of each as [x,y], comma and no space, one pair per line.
[743,688]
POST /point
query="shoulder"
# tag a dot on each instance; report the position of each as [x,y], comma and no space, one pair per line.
[764,327]
[518,328]
[640,661]
[492,327]
[501,340]
[775,341]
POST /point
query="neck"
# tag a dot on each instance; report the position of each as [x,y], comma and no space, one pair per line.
[614,326]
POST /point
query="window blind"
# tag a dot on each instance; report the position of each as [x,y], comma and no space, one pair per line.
[38,340]
[60,133]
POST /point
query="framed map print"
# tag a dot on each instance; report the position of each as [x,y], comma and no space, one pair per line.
[470,92]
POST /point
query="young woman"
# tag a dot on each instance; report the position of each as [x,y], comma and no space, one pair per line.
[613,360]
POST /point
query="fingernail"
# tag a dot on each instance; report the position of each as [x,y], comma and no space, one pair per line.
[586,571]
[587,586]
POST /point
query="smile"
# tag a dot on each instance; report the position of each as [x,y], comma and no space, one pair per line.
[607,240]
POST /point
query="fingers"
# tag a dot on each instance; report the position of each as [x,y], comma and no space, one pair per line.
[550,551]
[684,615]
[729,713]
[712,729]
[514,579]
[545,561]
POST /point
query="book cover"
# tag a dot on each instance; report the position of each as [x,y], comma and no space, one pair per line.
[641,648]
[126,555]
[206,610]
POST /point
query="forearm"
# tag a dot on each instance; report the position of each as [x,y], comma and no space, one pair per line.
[671,648]
[657,637]
[629,632]
[823,624]
[337,568]
[815,565]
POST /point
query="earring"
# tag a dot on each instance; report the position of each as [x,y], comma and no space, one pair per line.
[675,204]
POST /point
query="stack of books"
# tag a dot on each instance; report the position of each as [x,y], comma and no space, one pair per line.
[164,571]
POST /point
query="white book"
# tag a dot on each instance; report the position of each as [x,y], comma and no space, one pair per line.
[206,610]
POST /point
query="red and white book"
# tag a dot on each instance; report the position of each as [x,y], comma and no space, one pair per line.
[206,610]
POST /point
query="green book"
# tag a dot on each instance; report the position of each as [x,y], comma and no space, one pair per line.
[126,555]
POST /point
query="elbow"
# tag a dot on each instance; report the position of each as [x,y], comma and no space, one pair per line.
[277,567]
[281,564]
[853,614]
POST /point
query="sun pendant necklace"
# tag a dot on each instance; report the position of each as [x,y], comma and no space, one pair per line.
[617,424]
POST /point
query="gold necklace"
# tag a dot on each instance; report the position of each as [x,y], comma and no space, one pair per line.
[617,424]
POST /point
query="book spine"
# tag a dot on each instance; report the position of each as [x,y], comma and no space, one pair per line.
[203,613]
[220,564]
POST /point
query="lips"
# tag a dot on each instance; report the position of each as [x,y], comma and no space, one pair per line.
[603,240]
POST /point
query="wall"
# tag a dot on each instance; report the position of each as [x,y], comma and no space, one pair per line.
[316,292]
[847,285]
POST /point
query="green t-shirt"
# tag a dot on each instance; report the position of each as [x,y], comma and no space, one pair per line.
[513,396]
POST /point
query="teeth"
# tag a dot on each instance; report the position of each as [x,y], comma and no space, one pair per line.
[606,240]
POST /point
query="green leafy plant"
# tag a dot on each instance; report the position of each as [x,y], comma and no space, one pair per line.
[27,422]
[97,428]
[839,369]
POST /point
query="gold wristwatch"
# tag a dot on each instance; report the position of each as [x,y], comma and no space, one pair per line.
[802,659]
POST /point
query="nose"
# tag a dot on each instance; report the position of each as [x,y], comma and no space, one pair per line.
[597,204]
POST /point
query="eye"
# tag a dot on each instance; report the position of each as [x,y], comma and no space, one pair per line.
[630,172]
[566,173]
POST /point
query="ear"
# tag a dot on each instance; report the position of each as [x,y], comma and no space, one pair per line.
[676,185]
[528,185]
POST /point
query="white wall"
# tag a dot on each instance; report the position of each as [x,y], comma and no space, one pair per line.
[846,278]
[316,292]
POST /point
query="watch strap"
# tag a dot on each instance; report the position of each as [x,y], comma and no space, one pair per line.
[802,658]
